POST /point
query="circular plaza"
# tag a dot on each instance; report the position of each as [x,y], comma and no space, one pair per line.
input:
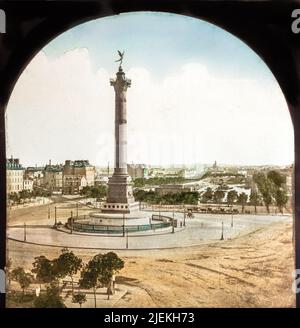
[201,229]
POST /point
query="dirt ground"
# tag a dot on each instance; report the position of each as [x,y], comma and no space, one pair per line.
[250,271]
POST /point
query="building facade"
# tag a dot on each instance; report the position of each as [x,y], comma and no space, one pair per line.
[28,184]
[36,174]
[53,177]
[14,175]
[76,175]
[137,171]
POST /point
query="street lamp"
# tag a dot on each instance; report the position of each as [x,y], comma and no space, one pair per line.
[77,209]
[222,235]
[25,237]
[123,225]
[159,210]
[126,238]
[55,216]
[231,220]
[173,226]
[48,212]
[71,222]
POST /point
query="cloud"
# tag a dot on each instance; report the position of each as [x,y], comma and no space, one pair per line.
[64,109]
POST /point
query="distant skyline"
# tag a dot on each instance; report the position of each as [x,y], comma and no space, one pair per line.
[198,95]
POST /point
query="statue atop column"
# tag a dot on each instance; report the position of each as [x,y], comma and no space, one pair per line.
[120,194]
[121,54]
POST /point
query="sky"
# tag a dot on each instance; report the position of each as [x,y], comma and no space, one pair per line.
[198,95]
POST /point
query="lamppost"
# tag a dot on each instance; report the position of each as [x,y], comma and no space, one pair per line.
[183,215]
[173,227]
[222,235]
[77,209]
[55,216]
[126,238]
[25,236]
[71,222]
[159,210]
[231,220]
[123,225]
[48,212]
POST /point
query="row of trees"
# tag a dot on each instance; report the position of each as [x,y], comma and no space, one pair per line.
[218,195]
[191,198]
[157,181]
[272,188]
[98,192]
[17,198]
[98,272]
[270,191]
[153,197]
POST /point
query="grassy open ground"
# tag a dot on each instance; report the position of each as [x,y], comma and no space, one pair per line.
[254,270]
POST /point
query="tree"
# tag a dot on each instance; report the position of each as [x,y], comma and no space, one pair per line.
[67,264]
[207,196]
[79,298]
[23,278]
[140,195]
[267,199]
[242,200]
[218,196]
[14,197]
[8,271]
[97,192]
[43,269]
[255,199]
[232,196]
[281,199]
[99,271]
[24,194]
[111,264]
[277,178]
[89,278]
[265,187]
[51,299]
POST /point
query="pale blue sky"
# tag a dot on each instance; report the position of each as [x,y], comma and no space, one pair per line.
[161,43]
[198,94]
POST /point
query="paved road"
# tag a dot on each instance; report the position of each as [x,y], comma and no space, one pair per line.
[202,229]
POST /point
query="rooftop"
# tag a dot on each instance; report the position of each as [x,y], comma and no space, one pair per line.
[13,164]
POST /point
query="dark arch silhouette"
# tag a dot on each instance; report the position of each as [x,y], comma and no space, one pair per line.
[264,25]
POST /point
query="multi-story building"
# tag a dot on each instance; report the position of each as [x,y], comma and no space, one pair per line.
[76,175]
[53,177]
[137,170]
[14,175]
[72,184]
[36,174]
[28,184]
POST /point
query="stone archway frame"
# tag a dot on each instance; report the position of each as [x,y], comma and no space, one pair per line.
[265,26]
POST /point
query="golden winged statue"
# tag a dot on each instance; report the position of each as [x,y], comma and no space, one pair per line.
[121,54]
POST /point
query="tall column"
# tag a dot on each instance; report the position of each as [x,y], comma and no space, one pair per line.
[120,85]
[120,193]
